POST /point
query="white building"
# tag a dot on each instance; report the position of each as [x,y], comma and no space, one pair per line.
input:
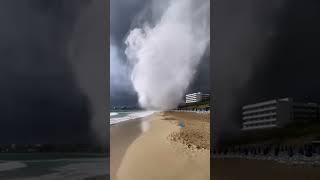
[196,97]
[277,113]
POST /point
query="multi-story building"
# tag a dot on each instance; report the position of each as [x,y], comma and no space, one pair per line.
[197,97]
[277,113]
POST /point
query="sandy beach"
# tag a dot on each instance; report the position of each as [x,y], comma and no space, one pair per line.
[155,148]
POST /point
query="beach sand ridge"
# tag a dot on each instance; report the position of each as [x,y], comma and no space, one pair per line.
[154,156]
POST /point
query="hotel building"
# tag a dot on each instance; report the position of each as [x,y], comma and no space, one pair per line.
[196,97]
[277,113]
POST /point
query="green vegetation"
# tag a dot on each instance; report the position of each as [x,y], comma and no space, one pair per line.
[198,105]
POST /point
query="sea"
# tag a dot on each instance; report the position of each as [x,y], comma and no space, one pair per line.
[45,166]
[121,116]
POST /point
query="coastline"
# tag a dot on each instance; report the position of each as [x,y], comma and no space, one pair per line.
[148,152]
[122,134]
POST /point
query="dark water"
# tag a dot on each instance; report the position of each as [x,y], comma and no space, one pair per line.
[53,166]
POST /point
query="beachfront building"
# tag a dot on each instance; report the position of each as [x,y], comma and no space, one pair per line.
[197,97]
[277,113]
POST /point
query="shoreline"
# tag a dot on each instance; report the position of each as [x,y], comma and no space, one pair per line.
[120,141]
[146,152]
[130,116]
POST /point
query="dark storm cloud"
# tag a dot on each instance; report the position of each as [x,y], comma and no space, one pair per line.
[201,80]
[294,55]
[263,50]
[125,14]
[41,100]
[122,15]
[121,99]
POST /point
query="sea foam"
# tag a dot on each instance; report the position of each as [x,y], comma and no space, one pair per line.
[130,116]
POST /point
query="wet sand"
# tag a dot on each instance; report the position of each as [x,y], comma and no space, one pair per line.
[238,169]
[121,136]
[152,155]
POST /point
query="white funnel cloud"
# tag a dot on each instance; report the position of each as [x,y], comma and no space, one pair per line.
[165,55]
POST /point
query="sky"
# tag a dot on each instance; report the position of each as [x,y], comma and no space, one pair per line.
[52,71]
[126,15]
[263,50]
[54,75]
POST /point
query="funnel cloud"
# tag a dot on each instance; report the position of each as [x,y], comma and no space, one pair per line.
[165,52]
[53,72]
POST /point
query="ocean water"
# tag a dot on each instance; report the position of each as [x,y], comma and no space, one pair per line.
[120,116]
[26,167]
